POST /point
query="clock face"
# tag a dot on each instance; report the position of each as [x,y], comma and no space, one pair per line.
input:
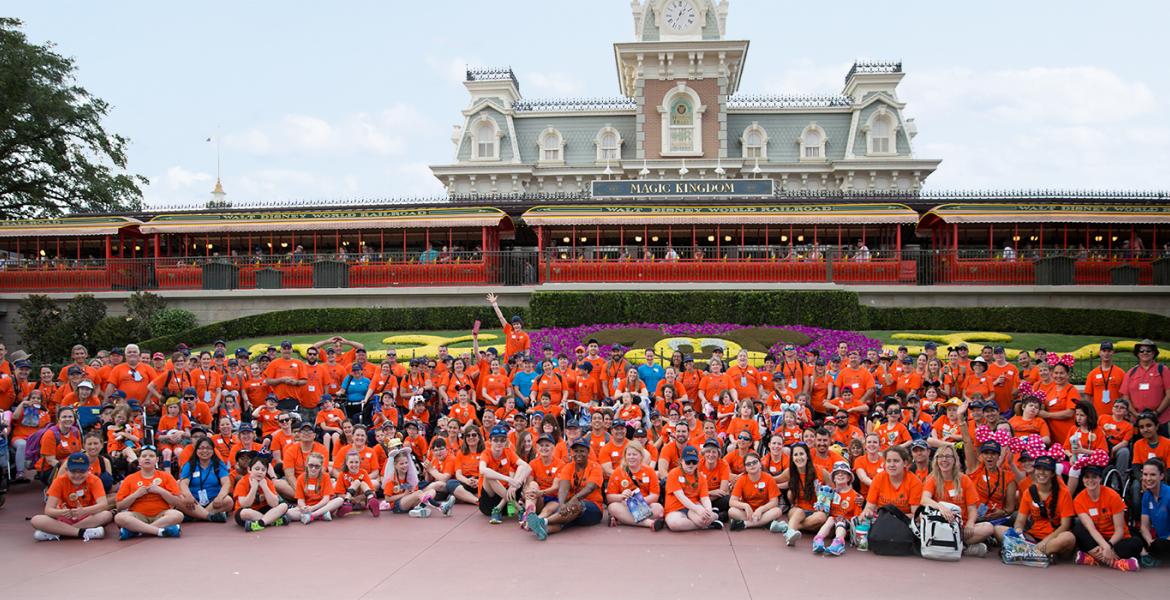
[679,15]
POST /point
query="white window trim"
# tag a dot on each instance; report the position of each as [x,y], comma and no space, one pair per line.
[881,112]
[558,145]
[821,147]
[597,143]
[754,127]
[472,133]
[664,110]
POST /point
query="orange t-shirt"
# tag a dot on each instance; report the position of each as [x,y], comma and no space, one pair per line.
[132,381]
[872,468]
[346,480]
[1100,511]
[715,475]
[745,380]
[260,502]
[991,488]
[774,466]
[737,424]
[76,496]
[904,496]
[644,479]
[892,434]
[505,464]
[755,493]
[1100,381]
[693,486]
[496,385]
[859,379]
[313,491]
[544,474]
[1041,527]
[514,341]
[1141,450]
[964,496]
[372,459]
[713,384]
[1059,400]
[577,481]
[846,505]
[281,367]
[293,457]
[1024,427]
[151,504]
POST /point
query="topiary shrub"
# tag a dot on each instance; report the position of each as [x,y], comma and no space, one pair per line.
[171,321]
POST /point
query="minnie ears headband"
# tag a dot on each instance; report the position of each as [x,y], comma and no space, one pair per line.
[1064,359]
[1033,444]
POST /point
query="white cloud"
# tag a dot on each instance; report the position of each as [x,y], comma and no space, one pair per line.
[552,84]
[177,185]
[382,133]
[453,70]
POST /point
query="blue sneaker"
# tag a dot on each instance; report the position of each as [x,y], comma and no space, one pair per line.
[125,534]
[818,545]
[538,526]
[171,531]
[837,548]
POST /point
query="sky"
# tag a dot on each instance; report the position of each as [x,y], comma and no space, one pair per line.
[316,101]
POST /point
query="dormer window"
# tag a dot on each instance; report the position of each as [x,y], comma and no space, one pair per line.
[609,145]
[486,138]
[755,142]
[880,132]
[812,143]
[552,146]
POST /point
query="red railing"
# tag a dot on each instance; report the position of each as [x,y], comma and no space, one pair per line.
[729,270]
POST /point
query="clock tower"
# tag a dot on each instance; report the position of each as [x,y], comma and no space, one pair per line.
[679,73]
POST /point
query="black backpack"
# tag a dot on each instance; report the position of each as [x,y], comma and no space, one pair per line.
[890,534]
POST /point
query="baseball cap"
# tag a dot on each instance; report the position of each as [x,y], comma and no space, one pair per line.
[579,442]
[246,427]
[690,454]
[1046,463]
[77,461]
[499,431]
[118,350]
[305,427]
[286,344]
[711,443]
[86,384]
[75,370]
[997,350]
[190,391]
[930,345]
[158,356]
[990,446]
[22,364]
[517,319]
[919,444]
[219,343]
[544,437]
[572,423]
[1105,346]
[242,352]
[639,432]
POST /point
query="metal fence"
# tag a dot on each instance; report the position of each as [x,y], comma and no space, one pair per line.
[593,264]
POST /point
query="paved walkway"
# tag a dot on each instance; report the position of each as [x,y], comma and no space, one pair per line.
[464,556]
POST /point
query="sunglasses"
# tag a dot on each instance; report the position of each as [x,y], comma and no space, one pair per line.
[471,435]
[690,462]
[751,463]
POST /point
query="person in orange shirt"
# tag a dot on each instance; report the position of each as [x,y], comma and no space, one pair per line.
[542,486]
[515,339]
[744,378]
[1103,383]
[1028,370]
[849,403]
[293,457]
[287,378]
[147,500]
[315,494]
[495,385]
[258,505]
[1100,527]
[328,423]
[1148,444]
[58,442]
[688,504]
[843,507]
[948,488]
[755,499]
[372,457]
[1060,407]
[578,496]
[803,479]
[76,505]
[713,385]
[896,485]
[633,476]
[319,381]
[1046,512]
[891,431]
[1029,421]
[1118,432]
[856,377]
[867,466]
[821,385]
[80,358]
[255,388]
[501,475]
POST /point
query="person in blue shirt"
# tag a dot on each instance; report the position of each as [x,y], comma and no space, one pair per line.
[522,382]
[651,372]
[1155,513]
[547,351]
[353,389]
[206,484]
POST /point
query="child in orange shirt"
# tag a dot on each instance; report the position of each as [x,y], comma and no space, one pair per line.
[744,420]
[173,428]
[845,505]
[329,421]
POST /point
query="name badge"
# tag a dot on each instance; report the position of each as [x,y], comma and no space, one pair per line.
[312,388]
[855,385]
[645,479]
[196,474]
[792,383]
[761,485]
[504,461]
[1092,512]
[625,483]
[312,487]
[1098,376]
[1143,386]
[682,479]
[954,493]
[1105,397]
[743,382]
[1052,402]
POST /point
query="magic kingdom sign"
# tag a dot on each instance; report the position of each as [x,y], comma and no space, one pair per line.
[682,188]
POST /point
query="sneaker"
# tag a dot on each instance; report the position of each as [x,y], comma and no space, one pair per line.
[977,550]
[327,516]
[716,524]
[538,526]
[447,505]
[41,536]
[818,545]
[1149,562]
[791,536]
[421,512]
[778,526]
[253,526]
[385,505]
[374,506]
[737,525]
[512,508]
[279,522]
[1086,559]
[659,524]
[837,548]
[495,520]
[1128,565]
[93,533]
[125,534]
[171,531]
[219,517]
[346,508]
[306,518]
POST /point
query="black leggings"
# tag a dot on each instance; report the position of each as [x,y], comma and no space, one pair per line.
[1130,547]
[722,505]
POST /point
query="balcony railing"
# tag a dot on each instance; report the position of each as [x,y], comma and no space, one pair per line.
[593,264]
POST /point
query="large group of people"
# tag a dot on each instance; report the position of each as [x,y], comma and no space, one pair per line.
[804,445]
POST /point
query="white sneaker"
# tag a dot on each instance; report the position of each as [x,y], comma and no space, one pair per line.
[977,550]
[778,526]
[421,512]
[328,516]
[306,518]
[93,533]
[41,536]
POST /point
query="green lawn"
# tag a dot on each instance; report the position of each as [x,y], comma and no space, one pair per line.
[1028,341]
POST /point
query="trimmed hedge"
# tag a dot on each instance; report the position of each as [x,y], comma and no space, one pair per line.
[833,309]
[335,320]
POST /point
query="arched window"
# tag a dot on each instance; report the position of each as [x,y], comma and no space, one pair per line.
[682,122]
[609,144]
[551,146]
[881,132]
[812,142]
[755,142]
[485,134]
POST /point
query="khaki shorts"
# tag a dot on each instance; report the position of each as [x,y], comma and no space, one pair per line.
[146,519]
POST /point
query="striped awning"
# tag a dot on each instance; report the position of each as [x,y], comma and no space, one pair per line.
[66,226]
[1046,213]
[797,214]
[327,220]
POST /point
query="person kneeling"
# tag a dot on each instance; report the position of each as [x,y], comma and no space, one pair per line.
[76,507]
[578,495]
[148,500]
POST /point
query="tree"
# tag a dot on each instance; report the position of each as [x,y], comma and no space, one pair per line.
[54,153]
[48,332]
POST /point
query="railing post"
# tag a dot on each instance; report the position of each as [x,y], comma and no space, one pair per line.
[829,264]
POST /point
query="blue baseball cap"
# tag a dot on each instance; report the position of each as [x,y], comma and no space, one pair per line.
[499,431]
[77,461]
[690,454]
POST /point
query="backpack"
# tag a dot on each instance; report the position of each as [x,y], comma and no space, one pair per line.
[938,539]
[32,448]
[890,534]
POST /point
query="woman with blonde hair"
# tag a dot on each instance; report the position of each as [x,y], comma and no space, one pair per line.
[947,488]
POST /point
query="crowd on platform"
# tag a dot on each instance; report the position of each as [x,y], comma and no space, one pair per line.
[857,448]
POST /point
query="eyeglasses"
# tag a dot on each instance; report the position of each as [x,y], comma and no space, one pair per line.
[690,462]
[312,466]
[1145,351]
[751,463]
[471,435]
